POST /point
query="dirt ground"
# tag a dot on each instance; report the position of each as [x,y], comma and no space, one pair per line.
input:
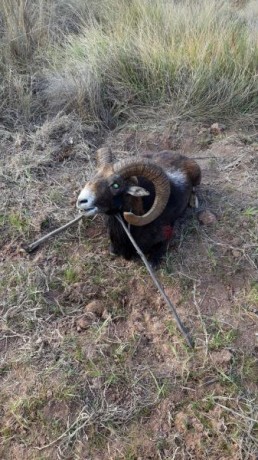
[92,365]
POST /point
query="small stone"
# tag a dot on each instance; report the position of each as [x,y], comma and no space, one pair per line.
[221,357]
[105,314]
[236,253]
[207,218]
[236,241]
[19,141]
[182,421]
[217,128]
[39,341]
[96,307]
[82,324]
[49,393]
[90,129]
[203,130]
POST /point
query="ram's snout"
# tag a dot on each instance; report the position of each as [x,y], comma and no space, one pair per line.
[86,202]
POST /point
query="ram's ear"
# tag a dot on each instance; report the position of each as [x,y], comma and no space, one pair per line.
[135,190]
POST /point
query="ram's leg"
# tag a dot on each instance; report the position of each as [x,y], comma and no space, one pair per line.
[193,200]
[113,251]
[125,249]
[119,242]
[157,252]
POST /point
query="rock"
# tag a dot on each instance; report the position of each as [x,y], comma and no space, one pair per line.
[49,394]
[20,140]
[90,129]
[221,357]
[39,341]
[207,218]
[217,128]
[203,130]
[96,307]
[66,141]
[105,314]
[236,253]
[181,421]
[236,241]
[82,324]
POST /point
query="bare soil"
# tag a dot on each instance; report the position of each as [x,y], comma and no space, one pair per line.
[119,382]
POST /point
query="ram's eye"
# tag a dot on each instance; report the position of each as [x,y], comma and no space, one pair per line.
[115,185]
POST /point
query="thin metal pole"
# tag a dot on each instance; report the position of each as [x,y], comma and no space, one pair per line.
[180,325]
[34,245]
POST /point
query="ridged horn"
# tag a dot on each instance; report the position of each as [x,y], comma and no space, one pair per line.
[153,173]
[104,156]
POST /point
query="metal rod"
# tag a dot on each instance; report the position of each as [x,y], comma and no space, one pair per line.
[180,325]
[34,245]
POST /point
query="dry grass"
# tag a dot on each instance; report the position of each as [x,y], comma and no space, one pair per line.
[197,57]
[105,59]
[121,384]
[28,30]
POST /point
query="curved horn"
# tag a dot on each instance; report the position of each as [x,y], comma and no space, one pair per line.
[104,156]
[157,176]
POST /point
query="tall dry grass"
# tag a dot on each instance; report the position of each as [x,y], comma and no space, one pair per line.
[106,58]
[28,31]
[24,32]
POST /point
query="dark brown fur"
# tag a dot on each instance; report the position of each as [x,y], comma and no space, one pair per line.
[152,238]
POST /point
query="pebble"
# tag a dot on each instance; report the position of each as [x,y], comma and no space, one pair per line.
[96,307]
[221,357]
[217,128]
[82,324]
[207,218]
[236,253]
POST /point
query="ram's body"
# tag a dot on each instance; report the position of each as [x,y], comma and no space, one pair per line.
[137,197]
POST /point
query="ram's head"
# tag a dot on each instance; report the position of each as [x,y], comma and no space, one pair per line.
[113,183]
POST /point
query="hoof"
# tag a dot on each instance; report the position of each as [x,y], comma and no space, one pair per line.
[112,251]
[194,202]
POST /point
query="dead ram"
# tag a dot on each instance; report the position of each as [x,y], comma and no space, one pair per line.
[149,192]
